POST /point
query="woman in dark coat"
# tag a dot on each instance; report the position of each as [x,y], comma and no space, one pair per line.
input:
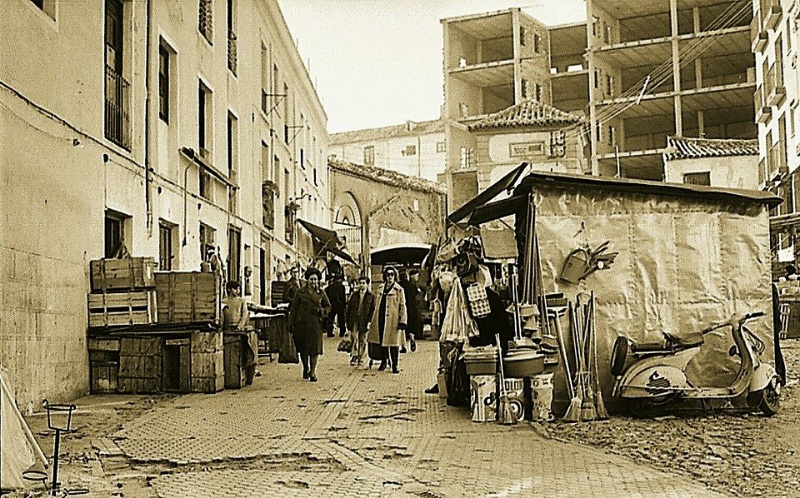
[310,304]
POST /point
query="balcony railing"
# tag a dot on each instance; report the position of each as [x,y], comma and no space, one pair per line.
[776,161]
[117,122]
[268,190]
[772,14]
[232,54]
[774,86]
[758,36]
[205,20]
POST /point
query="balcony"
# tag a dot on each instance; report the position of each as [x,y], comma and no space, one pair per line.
[117,118]
[759,36]
[764,115]
[268,191]
[776,161]
[772,14]
[774,85]
[232,53]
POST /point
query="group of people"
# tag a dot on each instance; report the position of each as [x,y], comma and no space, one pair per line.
[378,323]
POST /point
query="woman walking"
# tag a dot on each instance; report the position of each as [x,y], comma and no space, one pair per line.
[388,324]
[310,304]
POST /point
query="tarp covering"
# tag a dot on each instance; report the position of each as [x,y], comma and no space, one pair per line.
[505,183]
[16,452]
[685,262]
[328,238]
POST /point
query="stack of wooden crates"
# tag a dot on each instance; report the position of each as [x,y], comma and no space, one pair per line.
[174,343]
[122,293]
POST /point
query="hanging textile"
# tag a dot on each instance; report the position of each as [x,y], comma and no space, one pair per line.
[458,325]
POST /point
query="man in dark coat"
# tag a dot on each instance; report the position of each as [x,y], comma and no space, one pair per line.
[412,305]
[338,300]
[358,314]
[292,285]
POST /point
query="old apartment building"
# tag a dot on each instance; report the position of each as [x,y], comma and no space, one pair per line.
[138,126]
[415,148]
[659,69]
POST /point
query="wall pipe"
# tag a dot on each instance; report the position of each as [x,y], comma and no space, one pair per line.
[148,200]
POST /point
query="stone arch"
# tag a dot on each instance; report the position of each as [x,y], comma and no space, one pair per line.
[348,220]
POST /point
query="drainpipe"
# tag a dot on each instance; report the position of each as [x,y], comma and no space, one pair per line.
[148,200]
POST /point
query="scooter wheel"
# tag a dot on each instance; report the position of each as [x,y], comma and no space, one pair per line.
[768,399]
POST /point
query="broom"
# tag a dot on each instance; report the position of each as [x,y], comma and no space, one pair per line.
[588,411]
[574,410]
[505,415]
[602,412]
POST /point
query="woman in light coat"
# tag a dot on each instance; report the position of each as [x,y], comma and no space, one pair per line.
[389,320]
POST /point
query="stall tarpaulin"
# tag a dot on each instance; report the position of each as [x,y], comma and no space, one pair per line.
[688,257]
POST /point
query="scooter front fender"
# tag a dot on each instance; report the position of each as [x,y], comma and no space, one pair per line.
[762,376]
[652,381]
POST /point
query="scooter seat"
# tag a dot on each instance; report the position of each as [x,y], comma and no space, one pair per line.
[649,347]
[670,344]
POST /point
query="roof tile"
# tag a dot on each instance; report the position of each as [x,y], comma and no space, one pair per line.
[694,148]
[527,113]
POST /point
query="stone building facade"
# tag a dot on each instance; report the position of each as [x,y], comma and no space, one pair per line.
[166,128]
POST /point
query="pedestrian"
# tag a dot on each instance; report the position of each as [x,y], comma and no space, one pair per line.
[414,328]
[389,319]
[292,285]
[358,314]
[338,300]
[310,304]
[235,319]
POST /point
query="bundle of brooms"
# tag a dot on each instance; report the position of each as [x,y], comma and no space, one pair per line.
[587,399]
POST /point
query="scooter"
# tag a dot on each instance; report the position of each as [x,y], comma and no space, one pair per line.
[657,377]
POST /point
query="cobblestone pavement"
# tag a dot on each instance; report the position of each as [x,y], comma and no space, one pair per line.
[364,433]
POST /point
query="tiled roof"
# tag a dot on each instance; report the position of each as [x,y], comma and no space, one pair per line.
[693,148]
[407,129]
[527,113]
[388,177]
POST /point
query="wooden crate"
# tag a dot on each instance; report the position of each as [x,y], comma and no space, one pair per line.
[277,290]
[140,364]
[122,274]
[104,377]
[106,344]
[188,297]
[207,362]
[121,308]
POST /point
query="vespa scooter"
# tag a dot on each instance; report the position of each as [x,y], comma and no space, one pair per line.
[657,377]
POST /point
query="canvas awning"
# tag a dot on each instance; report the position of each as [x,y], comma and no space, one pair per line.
[400,253]
[328,238]
[506,183]
[498,209]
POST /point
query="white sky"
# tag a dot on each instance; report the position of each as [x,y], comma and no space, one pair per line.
[379,62]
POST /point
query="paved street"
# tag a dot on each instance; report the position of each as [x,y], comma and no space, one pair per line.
[353,433]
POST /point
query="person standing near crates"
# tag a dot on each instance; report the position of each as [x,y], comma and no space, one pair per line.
[236,318]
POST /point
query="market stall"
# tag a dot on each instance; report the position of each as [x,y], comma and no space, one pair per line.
[653,256]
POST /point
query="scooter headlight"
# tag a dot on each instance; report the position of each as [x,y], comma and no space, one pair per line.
[619,354]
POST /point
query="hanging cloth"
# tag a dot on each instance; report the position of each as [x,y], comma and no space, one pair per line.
[458,325]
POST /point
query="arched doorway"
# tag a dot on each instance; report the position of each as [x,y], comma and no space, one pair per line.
[347,224]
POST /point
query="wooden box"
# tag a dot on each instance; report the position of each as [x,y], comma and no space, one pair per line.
[188,297]
[121,308]
[207,362]
[277,290]
[140,364]
[104,377]
[122,274]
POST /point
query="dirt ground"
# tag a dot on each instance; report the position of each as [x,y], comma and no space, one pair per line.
[736,452]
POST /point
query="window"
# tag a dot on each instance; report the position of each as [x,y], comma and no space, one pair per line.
[441,147]
[206,187]
[204,120]
[276,165]
[233,145]
[315,176]
[265,172]
[703,178]
[610,85]
[369,155]
[232,48]
[117,111]
[410,150]
[166,255]
[538,92]
[116,226]
[205,20]
[46,6]
[302,158]
[286,113]
[522,35]
[467,157]
[523,88]
[208,241]
[612,136]
[163,82]
[264,78]
[597,78]
[234,254]
[537,43]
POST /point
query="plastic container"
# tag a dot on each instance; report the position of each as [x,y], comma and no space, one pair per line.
[523,365]
[481,367]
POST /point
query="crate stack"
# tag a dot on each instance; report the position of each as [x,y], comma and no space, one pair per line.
[123,292]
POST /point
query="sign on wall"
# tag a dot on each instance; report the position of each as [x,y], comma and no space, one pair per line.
[526,149]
